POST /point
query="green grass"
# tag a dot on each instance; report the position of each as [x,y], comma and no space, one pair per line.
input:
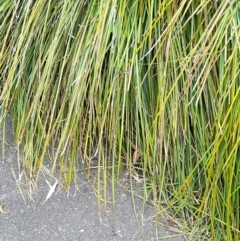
[153,85]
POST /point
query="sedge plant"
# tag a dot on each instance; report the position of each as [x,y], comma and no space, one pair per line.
[152,87]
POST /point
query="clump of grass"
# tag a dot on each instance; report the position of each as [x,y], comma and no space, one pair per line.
[152,85]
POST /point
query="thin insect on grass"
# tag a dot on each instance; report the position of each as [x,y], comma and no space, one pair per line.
[151,87]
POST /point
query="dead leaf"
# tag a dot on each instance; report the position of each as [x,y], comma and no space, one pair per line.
[136,156]
[1,208]
[51,191]
[136,177]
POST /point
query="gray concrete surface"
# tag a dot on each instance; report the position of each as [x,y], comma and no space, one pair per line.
[72,214]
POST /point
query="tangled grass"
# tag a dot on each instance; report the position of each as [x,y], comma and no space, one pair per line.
[153,86]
